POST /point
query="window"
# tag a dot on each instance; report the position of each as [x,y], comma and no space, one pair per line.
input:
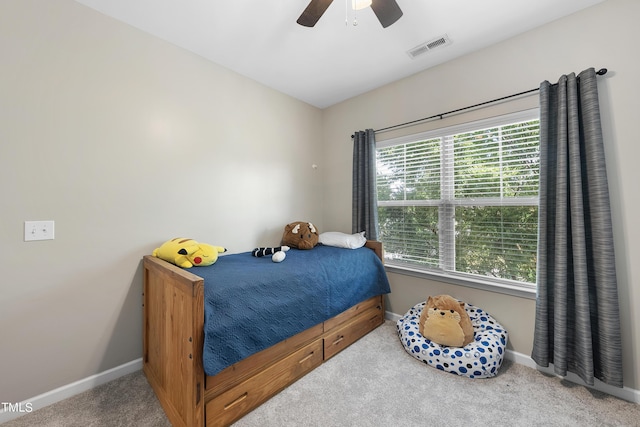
[463,201]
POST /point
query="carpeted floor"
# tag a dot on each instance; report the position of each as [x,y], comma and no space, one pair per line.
[372,383]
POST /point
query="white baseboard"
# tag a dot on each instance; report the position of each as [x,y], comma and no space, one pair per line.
[624,393]
[391,316]
[68,390]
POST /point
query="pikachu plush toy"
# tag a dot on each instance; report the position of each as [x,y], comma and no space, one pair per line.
[187,253]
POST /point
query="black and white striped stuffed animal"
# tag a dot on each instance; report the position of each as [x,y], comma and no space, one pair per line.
[278,253]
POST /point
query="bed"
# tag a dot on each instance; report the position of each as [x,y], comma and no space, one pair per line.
[209,366]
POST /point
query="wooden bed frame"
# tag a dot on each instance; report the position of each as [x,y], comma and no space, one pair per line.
[173,337]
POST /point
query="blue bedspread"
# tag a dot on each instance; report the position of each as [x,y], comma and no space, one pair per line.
[253,303]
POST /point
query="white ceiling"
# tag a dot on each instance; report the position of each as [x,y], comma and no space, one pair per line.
[332,61]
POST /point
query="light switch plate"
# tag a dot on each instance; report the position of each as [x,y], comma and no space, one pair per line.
[38,230]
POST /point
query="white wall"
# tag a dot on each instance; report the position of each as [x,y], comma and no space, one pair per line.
[605,35]
[125,141]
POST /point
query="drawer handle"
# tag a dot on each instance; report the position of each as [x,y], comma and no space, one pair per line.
[309,356]
[235,402]
[340,338]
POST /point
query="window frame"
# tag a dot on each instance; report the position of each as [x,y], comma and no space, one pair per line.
[515,288]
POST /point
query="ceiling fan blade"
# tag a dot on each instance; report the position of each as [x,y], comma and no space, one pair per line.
[313,12]
[387,11]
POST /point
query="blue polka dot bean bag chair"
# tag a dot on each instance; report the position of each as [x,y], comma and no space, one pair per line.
[481,358]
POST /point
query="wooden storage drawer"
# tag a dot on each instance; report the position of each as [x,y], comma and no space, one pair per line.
[241,371]
[346,335]
[239,400]
[353,312]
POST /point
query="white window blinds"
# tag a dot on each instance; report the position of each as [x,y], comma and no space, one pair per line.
[463,200]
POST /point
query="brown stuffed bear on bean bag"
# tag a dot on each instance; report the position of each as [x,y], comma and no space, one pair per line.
[300,235]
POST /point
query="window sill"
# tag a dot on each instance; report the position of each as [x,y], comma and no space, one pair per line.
[485,285]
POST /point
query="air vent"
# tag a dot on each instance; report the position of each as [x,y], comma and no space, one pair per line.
[429,46]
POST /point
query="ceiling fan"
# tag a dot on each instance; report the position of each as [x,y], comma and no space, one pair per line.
[387,12]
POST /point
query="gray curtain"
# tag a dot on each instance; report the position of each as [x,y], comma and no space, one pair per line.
[577,325]
[365,199]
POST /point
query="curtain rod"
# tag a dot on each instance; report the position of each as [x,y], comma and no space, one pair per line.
[600,72]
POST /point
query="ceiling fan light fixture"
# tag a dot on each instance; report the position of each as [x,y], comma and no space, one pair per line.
[360,4]
[387,11]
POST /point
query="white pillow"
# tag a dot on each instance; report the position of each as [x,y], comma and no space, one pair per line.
[342,240]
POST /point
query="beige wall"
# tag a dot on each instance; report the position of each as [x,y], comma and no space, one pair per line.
[125,141]
[605,35]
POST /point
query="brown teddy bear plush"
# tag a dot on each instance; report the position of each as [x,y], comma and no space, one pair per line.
[445,321]
[301,235]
